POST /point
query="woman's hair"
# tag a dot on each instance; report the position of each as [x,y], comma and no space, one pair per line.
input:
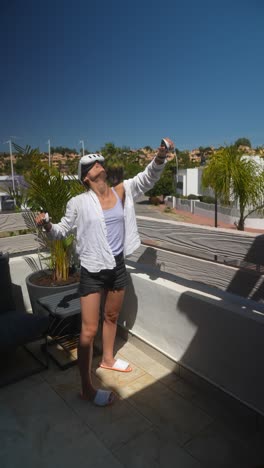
[85,169]
[86,185]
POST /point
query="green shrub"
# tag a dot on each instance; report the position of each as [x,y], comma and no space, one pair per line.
[207,199]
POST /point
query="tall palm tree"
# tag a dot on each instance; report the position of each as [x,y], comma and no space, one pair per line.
[235,178]
[114,163]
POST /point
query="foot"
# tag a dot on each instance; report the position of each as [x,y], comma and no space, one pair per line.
[101,398]
[119,365]
[88,395]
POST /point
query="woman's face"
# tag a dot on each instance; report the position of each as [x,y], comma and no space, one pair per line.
[96,171]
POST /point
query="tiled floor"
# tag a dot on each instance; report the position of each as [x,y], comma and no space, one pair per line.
[158,421]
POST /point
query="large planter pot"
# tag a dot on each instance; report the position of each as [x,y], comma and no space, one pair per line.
[36,291]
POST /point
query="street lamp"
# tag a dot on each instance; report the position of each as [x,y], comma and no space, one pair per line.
[215,209]
[48,143]
[176,167]
[82,143]
[12,167]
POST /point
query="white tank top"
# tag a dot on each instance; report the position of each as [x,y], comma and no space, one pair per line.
[115,225]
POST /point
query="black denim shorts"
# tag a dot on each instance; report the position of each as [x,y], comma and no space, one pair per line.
[104,279]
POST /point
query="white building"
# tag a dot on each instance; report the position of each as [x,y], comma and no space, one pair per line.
[190,180]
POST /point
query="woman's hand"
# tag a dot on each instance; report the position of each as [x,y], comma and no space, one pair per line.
[163,151]
[42,220]
[161,155]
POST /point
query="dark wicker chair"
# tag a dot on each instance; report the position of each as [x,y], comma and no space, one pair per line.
[18,328]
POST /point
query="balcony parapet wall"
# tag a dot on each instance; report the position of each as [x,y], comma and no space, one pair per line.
[215,334]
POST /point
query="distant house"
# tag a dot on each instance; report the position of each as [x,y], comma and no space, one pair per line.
[190,180]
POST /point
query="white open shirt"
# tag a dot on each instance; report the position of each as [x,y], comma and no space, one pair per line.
[84,215]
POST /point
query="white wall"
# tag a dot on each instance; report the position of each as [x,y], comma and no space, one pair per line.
[217,335]
[191,179]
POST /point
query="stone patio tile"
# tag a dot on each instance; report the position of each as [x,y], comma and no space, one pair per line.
[55,374]
[153,449]
[116,380]
[178,385]
[147,380]
[17,365]
[137,386]
[113,425]
[170,379]
[158,371]
[24,384]
[216,447]
[43,451]
[132,354]
[167,410]
[224,408]
[255,443]
[150,365]
[39,429]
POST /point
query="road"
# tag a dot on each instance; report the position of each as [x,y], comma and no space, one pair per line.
[144,208]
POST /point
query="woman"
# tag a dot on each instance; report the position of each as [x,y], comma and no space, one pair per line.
[106,232]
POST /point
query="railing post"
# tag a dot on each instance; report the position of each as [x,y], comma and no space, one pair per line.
[215,211]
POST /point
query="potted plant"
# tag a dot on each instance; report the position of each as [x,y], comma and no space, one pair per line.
[48,190]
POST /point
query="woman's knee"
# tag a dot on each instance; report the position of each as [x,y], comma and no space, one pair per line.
[88,332]
[111,315]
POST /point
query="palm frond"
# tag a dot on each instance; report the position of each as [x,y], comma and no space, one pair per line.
[32,263]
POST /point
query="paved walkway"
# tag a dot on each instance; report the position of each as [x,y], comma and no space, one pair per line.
[159,420]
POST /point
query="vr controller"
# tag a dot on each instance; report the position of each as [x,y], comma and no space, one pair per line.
[46,218]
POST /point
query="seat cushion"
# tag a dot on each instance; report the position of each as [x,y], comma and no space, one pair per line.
[18,328]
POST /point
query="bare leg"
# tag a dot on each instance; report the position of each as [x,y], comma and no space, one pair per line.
[113,304]
[90,306]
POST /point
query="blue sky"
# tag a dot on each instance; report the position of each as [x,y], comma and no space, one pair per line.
[131,72]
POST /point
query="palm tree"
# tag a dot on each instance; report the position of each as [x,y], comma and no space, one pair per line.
[26,158]
[114,163]
[235,178]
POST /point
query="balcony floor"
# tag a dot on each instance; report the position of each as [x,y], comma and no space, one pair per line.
[160,420]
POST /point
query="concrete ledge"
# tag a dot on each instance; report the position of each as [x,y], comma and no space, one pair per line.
[216,335]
